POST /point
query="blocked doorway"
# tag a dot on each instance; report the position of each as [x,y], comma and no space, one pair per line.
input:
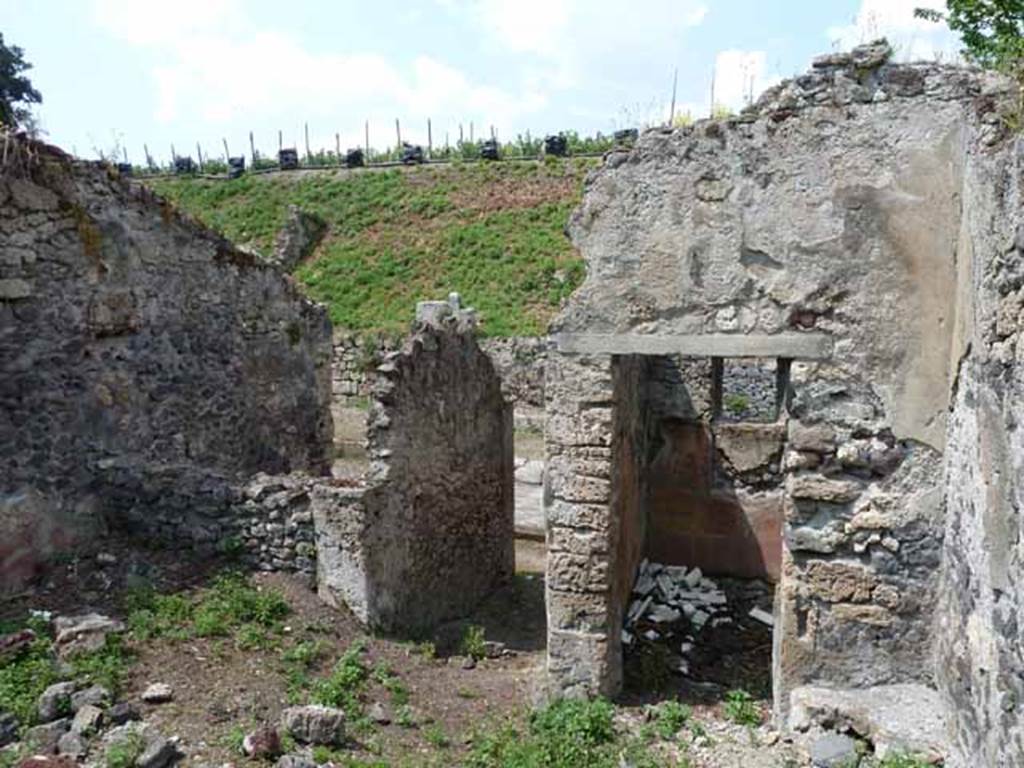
[699,617]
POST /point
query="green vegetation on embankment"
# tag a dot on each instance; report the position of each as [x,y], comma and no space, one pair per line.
[493,232]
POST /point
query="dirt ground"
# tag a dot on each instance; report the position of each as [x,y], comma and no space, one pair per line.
[222,690]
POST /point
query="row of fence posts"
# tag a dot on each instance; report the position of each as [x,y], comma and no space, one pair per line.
[288,159]
[255,155]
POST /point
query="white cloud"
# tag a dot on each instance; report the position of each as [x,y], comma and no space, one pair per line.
[912,38]
[740,77]
[226,76]
[148,22]
[574,38]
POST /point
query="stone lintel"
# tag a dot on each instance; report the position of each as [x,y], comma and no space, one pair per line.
[795,346]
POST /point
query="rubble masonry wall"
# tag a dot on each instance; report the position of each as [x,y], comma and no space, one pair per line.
[141,357]
[430,530]
[833,208]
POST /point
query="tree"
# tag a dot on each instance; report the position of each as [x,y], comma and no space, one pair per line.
[15,88]
[992,30]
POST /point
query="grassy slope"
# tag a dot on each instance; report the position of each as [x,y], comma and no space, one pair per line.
[492,232]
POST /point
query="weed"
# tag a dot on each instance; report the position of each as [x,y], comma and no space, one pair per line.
[670,716]
[23,679]
[106,666]
[235,739]
[741,708]
[426,649]
[252,637]
[347,681]
[436,737]
[466,693]
[473,642]
[563,734]
[404,717]
[902,760]
[124,752]
[399,693]
[228,604]
[305,653]
[736,404]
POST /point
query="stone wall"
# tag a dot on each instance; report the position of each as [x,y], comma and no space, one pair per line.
[857,281]
[429,531]
[519,361]
[980,664]
[137,347]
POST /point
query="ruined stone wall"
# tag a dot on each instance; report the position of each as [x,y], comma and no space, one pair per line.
[832,212]
[519,361]
[430,531]
[137,347]
[980,664]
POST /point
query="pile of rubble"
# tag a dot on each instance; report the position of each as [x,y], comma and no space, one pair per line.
[673,605]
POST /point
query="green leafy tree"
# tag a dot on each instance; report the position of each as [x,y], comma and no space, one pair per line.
[15,88]
[992,31]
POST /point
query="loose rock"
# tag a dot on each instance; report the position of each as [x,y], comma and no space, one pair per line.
[96,695]
[55,701]
[77,634]
[263,743]
[87,720]
[158,693]
[315,725]
[834,750]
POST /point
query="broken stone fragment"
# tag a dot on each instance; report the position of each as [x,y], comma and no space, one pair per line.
[315,725]
[73,745]
[122,713]
[8,728]
[295,761]
[379,714]
[55,701]
[95,695]
[662,614]
[77,634]
[262,744]
[87,720]
[43,738]
[158,693]
[834,750]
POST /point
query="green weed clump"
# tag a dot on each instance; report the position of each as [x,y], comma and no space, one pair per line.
[345,685]
[741,708]
[24,677]
[901,760]
[31,670]
[473,643]
[670,717]
[565,734]
[231,605]
[124,752]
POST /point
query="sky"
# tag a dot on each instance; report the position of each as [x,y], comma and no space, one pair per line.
[118,74]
